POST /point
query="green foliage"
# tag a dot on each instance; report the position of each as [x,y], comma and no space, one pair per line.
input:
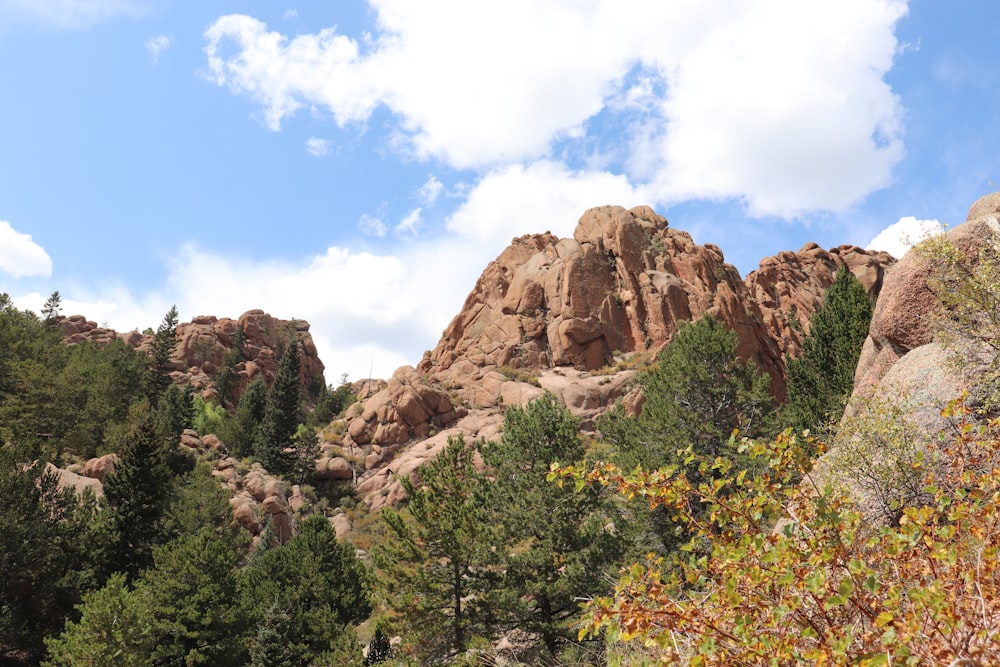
[50,311]
[174,413]
[136,494]
[112,630]
[431,566]
[227,379]
[305,594]
[239,435]
[192,598]
[698,392]
[820,381]
[968,321]
[183,611]
[880,460]
[518,375]
[331,402]
[208,417]
[307,450]
[795,574]
[281,415]
[40,553]
[555,546]
[199,502]
[160,353]
[379,649]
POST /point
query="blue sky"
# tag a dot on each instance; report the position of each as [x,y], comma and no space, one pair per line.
[357,164]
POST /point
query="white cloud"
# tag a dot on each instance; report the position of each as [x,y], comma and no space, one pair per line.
[157,45]
[290,14]
[73,14]
[317,147]
[372,225]
[429,191]
[767,101]
[900,236]
[310,70]
[410,223]
[541,196]
[20,256]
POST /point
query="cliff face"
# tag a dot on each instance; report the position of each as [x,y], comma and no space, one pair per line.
[621,285]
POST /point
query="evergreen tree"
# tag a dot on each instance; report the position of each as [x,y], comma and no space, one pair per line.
[227,379]
[379,649]
[558,546]
[696,394]
[41,553]
[281,415]
[161,352]
[174,413]
[821,380]
[318,583]
[307,450]
[431,566]
[50,311]
[136,495]
[113,630]
[183,611]
[242,432]
[196,618]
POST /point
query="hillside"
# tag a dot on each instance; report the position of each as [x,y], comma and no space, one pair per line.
[424,504]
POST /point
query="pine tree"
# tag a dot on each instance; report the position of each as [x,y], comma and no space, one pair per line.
[698,391]
[821,380]
[281,415]
[136,495]
[227,378]
[558,546]
[430,568]
[50,311]
[40,551]
[307,450]
[161,352]
[696,394]
[317,582]
[249,416]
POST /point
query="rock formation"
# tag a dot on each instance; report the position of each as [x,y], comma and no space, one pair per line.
[555,315]
[202,345]
[621,285]
[901,325]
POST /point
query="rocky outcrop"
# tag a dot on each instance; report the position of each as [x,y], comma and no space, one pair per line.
[901,322]
[790,286]
[202,345]
[621,285]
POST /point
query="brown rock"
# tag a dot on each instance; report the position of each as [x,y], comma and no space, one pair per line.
[333,468]
[79,483]
[621,285]
[901,321]
[100,467]
[203,343]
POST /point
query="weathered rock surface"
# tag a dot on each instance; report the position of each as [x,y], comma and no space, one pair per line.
[902,318]
[202,345]
[621,285]
[791,286]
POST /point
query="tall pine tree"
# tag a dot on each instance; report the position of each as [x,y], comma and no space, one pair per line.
[160,352]
[136,495]
[431,568]
[558,545]
[281,415]
[821,380]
